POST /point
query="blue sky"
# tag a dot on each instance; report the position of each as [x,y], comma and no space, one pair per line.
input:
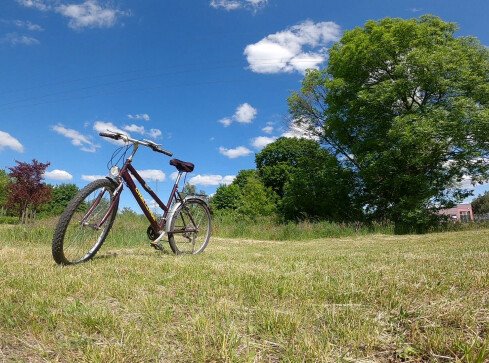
[206,79]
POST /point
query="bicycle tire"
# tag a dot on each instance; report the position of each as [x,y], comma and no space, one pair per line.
[186,243]
[74,242]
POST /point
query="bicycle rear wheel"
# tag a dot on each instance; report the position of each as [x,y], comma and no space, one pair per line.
[190,227]
[77,236]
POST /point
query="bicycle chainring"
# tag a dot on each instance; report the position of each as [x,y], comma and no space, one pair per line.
[152,234]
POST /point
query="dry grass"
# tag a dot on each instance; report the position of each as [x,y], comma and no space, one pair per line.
[370,298]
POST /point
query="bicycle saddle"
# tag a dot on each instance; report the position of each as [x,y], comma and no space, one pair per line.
[182,165]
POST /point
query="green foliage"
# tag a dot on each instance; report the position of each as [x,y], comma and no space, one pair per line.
[278,160]
[61,195]
[8,220]
[226,197]
[319,188]
[480,205]
[405,103]
[190,189]
[256,199]
[229,196]
[4,180]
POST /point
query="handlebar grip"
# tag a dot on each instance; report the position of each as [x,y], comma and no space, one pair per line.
[112,136]
[163,151]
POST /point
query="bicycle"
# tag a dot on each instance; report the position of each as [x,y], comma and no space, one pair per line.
[88,218]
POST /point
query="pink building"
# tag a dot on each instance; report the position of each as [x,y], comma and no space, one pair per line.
[461,212]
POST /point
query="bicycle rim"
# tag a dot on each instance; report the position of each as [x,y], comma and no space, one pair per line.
[194,219]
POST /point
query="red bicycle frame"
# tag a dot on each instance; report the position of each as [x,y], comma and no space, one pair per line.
[125,175]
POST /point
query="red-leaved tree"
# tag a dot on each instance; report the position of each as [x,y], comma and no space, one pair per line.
[27,190]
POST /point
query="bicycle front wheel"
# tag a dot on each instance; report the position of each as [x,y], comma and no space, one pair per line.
[79,233]
[190,227]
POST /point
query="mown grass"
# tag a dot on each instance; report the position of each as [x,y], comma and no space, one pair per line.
[370,298]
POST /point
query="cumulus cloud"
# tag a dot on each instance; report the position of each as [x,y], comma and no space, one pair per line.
[89,14]
[152,174]
[7,140]
[261,141]
[91,178]
[245,114]
[153,133]
[77,139]
[268,129]
[139,116]
[14,39]
[235,153]
[135,128]
[295,49]
[211,180]
[238,4]
[57,174]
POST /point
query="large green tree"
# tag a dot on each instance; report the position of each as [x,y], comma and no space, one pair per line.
[309,181]
[480,205]
[404,103]
[61,195]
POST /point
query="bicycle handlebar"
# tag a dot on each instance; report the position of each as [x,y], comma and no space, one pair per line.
[117,136]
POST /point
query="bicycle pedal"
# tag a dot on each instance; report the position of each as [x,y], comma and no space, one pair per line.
[156,246]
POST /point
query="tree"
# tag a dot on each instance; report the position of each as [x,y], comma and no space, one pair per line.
[61,195]
[226,197]
[278,160]
[320,188]
[4,181]
[480,205]
[229,196]
[404,103]
[27,191]
[256,199]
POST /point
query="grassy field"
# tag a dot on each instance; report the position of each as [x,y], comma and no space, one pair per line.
[369,298]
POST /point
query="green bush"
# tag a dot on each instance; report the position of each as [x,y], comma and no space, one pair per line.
[8,220]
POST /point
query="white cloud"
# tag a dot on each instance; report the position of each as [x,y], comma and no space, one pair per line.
[152,174]
[268,129]
[300,132]
[135,128]
[38,4]
[91,178]
[14,39]
[77,138]
[235,153]
[261,141]
[245,114]
[57,174]
[139,116]
[295,49]
[173,176]
[7,140]
[226,121]
[25,25]
[101,126]
[208,180]
[154,133]
[238,4]
[89,14]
